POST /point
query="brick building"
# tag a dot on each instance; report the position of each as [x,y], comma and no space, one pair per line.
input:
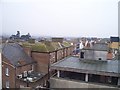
[49,54]
[26,66]
[18,69]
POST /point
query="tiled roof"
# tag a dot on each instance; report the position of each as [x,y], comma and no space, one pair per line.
[15,54]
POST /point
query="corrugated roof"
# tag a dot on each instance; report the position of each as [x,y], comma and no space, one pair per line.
[15,54]
[75,64]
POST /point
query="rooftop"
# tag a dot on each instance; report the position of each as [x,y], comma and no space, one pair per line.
[30,76]
[99,47]
[74,64]
[46,46]
[15,54]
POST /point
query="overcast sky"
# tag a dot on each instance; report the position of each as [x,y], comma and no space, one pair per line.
[89,18]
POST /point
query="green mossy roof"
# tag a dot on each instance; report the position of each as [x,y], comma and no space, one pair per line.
[66,44]
[45,46]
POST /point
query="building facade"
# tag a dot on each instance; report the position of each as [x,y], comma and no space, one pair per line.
[18,69]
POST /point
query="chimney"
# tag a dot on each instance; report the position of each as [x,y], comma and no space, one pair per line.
[109,55]
[88,44]
[27,50]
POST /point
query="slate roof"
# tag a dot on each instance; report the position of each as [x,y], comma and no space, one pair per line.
[15,54]
[74,64]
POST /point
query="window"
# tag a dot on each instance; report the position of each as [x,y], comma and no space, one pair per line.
[7,84]
[7,71]
[25,73]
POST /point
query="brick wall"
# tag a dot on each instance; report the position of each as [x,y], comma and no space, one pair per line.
[60,54]
[11,71]
[42,60]
[20,70]
[109,56]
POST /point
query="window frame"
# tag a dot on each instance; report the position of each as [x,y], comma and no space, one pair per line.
[7,71]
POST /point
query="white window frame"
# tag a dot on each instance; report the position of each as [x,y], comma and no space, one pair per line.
[7,71]
[7,84]
[25,73]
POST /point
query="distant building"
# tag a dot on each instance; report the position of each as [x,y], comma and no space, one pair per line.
[114,39]
[57,40]
[114,42]
[114,45]
[22,37]
[17,36]
[25,37]
[96,52]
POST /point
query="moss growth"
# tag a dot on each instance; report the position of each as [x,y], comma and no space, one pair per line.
[44,46]
[66,44]
[39,47]
[56,45]
[36,47]
[50,47]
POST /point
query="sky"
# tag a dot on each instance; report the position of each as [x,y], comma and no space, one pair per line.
[60,18]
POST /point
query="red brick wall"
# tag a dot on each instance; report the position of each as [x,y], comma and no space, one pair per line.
[70,50]
[11,77]
[52,57]
[42,60]
[109,56]
[60,54]
[20,70]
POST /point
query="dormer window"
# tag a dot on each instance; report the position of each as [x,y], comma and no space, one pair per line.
[6,71]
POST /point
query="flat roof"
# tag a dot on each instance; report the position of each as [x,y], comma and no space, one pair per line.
[74,64]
